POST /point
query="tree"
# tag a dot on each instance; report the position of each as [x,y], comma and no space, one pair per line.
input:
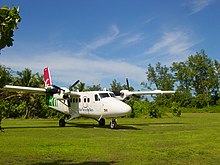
[216,91]
[9,19]
[115,85]
[182,73]
[183,79]
[161,78]
[80,87]
[94,88]
[5,78]
[26,78]
[203,76]
[197,80]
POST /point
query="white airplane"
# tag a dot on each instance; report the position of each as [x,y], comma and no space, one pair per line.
[92,104]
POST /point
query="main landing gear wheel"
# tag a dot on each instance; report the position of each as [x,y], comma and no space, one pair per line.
[113,124]
[62,123]
[101,122]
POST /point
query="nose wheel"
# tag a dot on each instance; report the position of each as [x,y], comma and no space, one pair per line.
[113,124]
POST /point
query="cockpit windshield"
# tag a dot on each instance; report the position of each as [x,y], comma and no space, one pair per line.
[103,95]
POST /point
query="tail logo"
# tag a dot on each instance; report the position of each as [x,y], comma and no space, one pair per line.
[47,78]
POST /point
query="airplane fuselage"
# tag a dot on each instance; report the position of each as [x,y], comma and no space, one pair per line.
[93,104]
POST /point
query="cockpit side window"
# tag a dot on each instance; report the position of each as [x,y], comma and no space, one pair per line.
[97,97]
[112,94]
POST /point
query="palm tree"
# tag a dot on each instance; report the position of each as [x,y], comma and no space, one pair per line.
[80,87]
[26,78]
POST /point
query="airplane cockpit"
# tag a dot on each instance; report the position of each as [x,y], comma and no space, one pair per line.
[103,95]
[99,96]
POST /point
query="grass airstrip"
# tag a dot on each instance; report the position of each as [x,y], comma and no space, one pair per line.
[194,138]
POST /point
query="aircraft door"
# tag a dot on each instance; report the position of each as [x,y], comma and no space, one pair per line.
[97,103]
[74,105]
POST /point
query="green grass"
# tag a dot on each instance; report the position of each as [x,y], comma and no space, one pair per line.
[191,139]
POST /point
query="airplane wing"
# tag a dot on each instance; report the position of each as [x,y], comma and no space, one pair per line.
[123,94]
[12,88]
[149,92]
[21,89]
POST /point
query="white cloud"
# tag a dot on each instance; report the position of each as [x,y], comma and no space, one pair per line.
[133,39]
[66,68]
[99,42]
[172,43]
[198,5]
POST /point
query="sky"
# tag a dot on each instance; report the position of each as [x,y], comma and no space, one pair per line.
[97,41]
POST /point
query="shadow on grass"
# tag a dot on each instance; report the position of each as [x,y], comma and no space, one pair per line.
[70,162]
[79,125]
[35,127]
[87,126]
[119,127]
[159,123]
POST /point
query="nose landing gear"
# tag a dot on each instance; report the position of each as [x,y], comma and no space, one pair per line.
[113,124]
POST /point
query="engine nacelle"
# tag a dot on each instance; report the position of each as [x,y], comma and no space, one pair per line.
[122,94]
[53,90]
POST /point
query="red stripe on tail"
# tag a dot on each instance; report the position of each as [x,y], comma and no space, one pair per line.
[47,79]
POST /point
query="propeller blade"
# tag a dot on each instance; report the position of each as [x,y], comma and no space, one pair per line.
[128,88]
[74,84]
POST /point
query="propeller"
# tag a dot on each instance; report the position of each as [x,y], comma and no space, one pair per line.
[74,84]
[50,91]
[57,89]
[127,83]
[121,93]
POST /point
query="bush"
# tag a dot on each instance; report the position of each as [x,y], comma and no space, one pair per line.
[176,111]
[154,111]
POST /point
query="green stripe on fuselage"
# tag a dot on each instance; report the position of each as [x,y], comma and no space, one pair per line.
[52,101]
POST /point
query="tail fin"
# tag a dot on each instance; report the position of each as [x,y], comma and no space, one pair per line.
[47,78]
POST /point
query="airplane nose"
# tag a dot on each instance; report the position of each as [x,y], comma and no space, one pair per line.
[116,108]
[125,108]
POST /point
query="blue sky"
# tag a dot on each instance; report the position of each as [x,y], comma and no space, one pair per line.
[97,41]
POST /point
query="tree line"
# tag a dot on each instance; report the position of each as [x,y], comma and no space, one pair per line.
[196,82]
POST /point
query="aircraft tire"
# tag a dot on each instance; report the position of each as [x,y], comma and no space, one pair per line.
[101,122]
[62,123]
[113,124]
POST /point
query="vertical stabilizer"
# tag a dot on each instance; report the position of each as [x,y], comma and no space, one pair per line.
[47,78]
